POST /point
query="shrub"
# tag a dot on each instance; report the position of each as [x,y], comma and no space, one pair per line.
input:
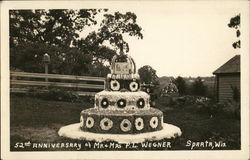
[192,100]
[198,88]
[148,75]
[236,93]
[89,99]
[181,85]
[231,109]
[209,108]
[54,93]
[61,95]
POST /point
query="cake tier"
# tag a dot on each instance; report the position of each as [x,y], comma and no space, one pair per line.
[118,82]
[106,100]
[121,122]
[123,76]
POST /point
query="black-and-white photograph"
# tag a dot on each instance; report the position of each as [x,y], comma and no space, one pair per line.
[144,76]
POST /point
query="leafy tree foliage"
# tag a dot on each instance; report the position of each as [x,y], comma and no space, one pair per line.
[57,32]
[113,26]
[148,75]
[181,85]
[54,27]
[101,53]
[111,31]
[28,57]
[235,23]
[198,87]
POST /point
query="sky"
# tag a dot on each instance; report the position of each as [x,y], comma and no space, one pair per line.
[183,39]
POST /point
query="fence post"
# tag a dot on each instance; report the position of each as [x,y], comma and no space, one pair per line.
[46,71]
[46,60]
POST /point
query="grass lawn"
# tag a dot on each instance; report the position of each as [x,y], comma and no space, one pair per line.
[37,120]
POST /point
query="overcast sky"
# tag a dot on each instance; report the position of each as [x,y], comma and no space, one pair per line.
[184,39]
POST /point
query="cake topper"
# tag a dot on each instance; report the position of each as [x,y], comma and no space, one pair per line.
[122,64]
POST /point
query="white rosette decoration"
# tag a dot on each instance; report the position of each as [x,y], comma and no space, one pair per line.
[106,124]
[139,125]
[81,122]
[153,122]
[133,86]
[148,90]
[115,85]
[125,125]
[90,122]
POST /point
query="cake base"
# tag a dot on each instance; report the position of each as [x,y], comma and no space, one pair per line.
[73,131]
[117,117]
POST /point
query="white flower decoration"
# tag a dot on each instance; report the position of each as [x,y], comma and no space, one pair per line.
[115,85]
[81,121]
[148,90]
[133,86]
[106,124]
[153,122]
[104,103]
[121,103]
[139,125]
[90,122]
[125,125]
[140,103]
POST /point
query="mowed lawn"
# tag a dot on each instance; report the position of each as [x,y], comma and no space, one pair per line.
[37,120]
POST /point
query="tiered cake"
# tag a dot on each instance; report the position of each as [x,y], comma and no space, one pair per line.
[121,108]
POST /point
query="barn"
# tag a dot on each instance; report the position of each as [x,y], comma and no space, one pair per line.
[227,80]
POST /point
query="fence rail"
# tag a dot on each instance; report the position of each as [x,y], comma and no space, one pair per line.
[20,81]
[56,76]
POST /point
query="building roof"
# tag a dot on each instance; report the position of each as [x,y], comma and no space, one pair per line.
[231,66]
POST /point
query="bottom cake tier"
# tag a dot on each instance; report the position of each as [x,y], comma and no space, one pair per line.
[121,122]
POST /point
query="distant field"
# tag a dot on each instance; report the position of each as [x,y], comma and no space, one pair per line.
[38,120]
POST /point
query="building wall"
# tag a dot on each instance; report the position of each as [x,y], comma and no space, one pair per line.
[225,91]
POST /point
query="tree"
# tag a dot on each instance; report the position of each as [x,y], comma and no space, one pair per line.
[113,26]
[111,32]
[28,57]
[24,26]
[235,23]
[101,53]
[198,87]
[57,32]
[36,32]
[148,75]
[54,27]
[181,85]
